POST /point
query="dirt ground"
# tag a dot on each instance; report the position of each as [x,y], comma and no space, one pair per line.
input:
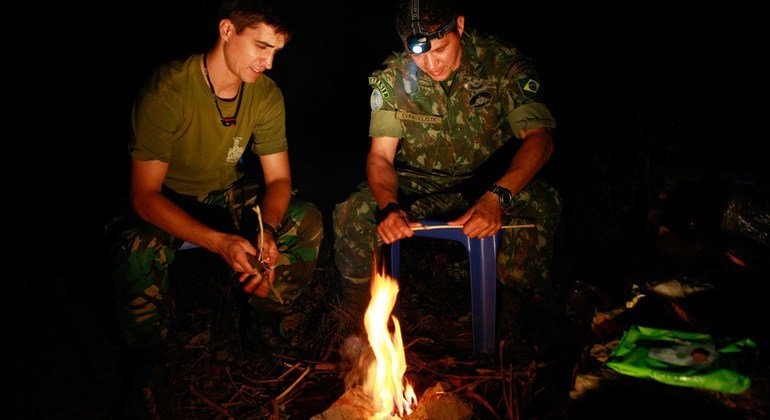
[65,357]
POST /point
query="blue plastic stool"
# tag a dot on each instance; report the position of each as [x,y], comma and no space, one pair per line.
[482,255]
[187,245]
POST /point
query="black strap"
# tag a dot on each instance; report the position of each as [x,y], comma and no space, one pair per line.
[271,229]
[380,215]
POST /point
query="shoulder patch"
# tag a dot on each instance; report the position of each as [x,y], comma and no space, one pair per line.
[375,101]
[529,87]
[381,86]
[521,65]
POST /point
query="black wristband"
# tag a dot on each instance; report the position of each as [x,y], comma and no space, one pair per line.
[380,215]
[270,229]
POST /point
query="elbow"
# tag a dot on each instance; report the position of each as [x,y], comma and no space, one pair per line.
[139,205]
[548,151]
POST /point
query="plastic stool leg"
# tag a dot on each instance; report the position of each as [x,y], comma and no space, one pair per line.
[395,260]
[483,260]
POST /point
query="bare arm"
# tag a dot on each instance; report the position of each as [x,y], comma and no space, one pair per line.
[383,181]
[151,205]
[485,217]
[277,175]
[534,152]
[380,171]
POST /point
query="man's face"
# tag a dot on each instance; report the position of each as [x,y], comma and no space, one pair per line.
[444,56]
[251,52]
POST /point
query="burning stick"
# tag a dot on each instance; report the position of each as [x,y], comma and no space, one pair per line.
[531,225]
[262,262]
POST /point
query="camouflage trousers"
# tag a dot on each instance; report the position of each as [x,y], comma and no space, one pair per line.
[524,256]
[142,254]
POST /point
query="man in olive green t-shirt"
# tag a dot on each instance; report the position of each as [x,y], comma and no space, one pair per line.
[192,121]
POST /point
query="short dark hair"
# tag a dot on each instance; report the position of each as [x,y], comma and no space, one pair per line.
[248,13]
[434,15]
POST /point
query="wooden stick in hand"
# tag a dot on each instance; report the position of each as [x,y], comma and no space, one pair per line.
[416,228]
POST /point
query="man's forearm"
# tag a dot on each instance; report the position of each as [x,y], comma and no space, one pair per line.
[526,163]
[155,208]
[276,201]
[383,180]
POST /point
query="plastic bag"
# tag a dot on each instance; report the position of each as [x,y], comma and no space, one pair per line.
[685,359]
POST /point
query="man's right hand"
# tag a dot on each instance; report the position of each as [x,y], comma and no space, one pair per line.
[233,248]
[396,226]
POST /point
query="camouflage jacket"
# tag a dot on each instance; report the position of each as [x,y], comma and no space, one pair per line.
[493,95]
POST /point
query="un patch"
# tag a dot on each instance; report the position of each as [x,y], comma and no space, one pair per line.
[375,101]
[529,87]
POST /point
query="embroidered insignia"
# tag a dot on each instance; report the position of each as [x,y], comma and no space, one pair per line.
[236,150]
[375,101]
[529,87]
[521,65]
[378,84]
[480,99]
[430,119]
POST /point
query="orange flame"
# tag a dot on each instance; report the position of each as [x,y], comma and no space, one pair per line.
[390,393]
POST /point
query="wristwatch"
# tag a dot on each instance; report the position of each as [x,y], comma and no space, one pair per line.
[505,198]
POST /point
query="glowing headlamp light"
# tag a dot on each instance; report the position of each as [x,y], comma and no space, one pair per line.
[420,43]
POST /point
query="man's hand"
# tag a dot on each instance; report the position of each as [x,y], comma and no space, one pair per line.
[258,281]
[483,219]
[396,226]
[233,248]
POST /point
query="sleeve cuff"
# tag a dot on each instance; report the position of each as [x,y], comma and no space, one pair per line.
[532,115]
[384,124]
[262,149]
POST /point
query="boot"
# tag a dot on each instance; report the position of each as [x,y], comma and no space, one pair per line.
[147,386]
[516,350]
[266,328]
[355,299]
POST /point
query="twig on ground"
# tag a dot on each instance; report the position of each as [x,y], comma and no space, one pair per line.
[418,340]
[280,378]
[319,366]
[482,401]
[221,410]
[283,394]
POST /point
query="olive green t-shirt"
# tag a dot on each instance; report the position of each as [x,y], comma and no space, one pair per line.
[175,120]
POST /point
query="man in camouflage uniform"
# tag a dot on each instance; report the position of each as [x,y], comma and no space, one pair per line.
[186,184]
[442,122]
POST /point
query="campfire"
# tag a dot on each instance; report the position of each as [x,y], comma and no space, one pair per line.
[385,393]
[385,384]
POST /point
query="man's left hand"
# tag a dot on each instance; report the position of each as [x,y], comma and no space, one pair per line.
[483,219]
[259,284]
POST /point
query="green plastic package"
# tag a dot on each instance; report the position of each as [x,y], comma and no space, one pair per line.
[685,359]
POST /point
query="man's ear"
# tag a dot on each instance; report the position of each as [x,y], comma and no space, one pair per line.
[226,29]
[460,25]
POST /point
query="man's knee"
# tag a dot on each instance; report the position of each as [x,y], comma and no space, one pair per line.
[311,226]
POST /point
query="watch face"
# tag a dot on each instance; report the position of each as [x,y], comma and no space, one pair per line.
[505,198]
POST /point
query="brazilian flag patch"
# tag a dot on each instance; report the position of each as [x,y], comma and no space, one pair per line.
[380,85]
[529,87]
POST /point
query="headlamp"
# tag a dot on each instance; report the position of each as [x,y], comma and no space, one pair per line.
[420,43]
